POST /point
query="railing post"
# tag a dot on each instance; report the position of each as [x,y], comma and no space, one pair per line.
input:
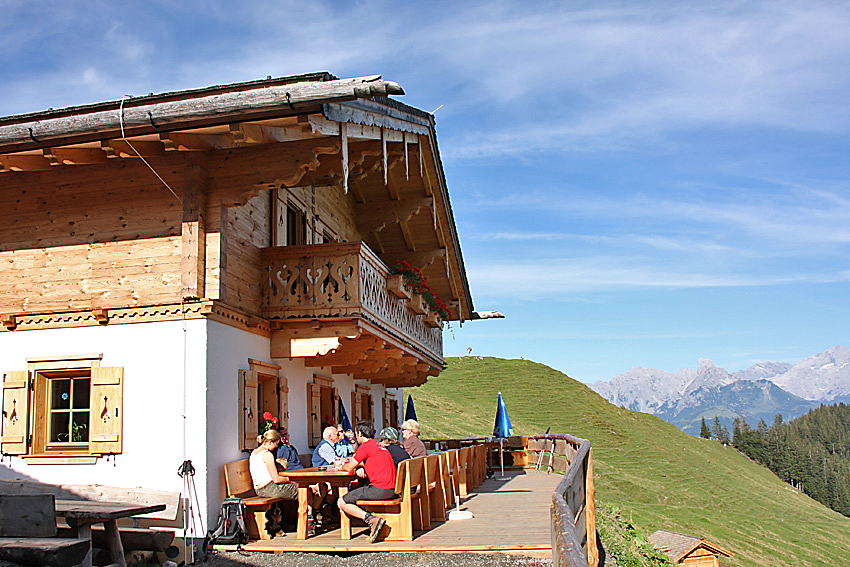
[590,512]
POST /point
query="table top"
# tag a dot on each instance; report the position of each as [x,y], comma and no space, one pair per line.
[92,510]
[313,475]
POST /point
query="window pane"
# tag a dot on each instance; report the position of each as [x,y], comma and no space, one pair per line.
[60,397]
[59,422]
[81,393]
[80,427]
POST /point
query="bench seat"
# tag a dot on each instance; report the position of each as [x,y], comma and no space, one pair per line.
[410,510]
[48,551]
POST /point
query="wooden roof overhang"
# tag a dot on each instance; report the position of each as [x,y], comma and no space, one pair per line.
[305,130]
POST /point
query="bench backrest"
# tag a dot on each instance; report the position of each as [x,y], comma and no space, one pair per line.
[237,478]
[30,515]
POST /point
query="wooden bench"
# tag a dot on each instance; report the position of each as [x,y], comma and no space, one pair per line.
[238,484]
[410,510]
[436,489]
[27,530]
[156,533]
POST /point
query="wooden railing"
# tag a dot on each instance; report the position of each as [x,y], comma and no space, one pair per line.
[573,502]
[345,280]
[573,509]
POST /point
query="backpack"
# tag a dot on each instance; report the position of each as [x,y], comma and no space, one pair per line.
[230,528]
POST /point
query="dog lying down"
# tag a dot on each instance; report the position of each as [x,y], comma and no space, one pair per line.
[274,520]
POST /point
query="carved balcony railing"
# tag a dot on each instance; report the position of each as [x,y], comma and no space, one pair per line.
[342,281]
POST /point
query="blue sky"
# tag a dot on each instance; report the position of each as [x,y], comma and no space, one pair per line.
[634,183]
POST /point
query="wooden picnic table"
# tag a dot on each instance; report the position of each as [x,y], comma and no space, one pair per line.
[315,475]
[81,514]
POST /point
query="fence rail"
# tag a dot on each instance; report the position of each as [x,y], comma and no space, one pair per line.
[573,509]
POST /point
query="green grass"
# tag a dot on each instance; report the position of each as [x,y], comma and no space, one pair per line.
[656,475]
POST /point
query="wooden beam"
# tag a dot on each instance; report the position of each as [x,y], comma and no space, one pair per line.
[374,217]
[122,149]
[23,162]
[193,261]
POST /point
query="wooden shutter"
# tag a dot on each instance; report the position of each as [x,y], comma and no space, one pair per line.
[370,408]
[335,410]
[107,410]
[283,402]
[393,411]
[385,412]
[248,419]
[355,408]
[314,423]
[15,412]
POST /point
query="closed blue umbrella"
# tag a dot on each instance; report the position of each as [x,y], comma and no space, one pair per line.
[343,417]
[410,412]
[503,427]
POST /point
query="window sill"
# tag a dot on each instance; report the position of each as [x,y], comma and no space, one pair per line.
[64,459]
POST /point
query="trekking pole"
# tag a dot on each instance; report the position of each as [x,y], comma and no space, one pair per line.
[551,457]
[543,448]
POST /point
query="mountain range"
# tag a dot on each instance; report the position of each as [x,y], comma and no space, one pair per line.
[759,392]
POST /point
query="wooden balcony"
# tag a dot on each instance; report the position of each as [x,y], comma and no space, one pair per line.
[329,304]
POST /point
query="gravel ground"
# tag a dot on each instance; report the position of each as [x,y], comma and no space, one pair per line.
[375,559]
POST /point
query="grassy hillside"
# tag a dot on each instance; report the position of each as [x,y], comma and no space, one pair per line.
[660,476]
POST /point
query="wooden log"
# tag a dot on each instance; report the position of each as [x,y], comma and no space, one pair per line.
[132,539]
[49,552]
[139,118]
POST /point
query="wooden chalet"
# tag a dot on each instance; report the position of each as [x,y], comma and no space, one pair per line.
[172,266]
[688,550]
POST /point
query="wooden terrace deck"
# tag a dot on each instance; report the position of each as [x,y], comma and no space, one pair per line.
[512,514]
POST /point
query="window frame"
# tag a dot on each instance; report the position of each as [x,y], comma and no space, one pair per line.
[32,436]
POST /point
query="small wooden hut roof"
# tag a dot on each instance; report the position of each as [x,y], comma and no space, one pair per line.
[677,546]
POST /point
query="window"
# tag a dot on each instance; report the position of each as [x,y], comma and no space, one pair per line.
[362,405]
[261,389]
[68,407]
[390,409]
[324,407]
[291,226]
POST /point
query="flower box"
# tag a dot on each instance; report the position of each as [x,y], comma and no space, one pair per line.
[418,305]
[398,287]
[433,320]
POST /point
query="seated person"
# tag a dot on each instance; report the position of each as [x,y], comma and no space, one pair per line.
[346,445]
[389,439]
[325,453]
[287,453]
[323,495]
[412,444]
[379,467]
[264,475]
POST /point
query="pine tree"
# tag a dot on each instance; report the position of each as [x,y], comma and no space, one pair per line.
[703,430]
[716,428]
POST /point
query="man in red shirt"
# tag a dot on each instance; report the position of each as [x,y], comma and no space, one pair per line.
[380,469]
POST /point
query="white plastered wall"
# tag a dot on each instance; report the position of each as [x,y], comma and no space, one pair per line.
[152,356]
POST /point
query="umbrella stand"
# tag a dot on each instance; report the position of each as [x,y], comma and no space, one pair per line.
[457,513]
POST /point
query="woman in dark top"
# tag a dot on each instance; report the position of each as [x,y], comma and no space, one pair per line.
[389,439]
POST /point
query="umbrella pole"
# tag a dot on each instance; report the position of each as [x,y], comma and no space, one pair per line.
[501,457]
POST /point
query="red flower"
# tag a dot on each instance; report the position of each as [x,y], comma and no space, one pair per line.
[267,415]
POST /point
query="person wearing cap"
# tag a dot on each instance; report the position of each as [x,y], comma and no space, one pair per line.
[412,444]
[389,439]
[380,469]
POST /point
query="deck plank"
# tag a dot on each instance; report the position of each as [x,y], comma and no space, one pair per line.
[511,514]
